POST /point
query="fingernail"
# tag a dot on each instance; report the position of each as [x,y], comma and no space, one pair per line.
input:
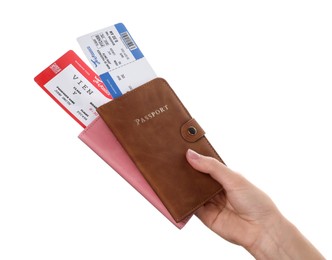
[192,154]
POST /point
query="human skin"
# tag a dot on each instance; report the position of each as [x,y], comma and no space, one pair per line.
[245,215]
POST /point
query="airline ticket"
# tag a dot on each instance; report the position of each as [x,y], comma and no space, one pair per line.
[118,66]
[75,87]
[116,58]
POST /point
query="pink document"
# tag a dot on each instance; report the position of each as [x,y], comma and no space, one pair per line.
[102,141]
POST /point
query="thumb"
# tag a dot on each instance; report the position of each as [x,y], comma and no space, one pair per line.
[217,170]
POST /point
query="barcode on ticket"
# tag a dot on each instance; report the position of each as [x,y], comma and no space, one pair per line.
[128,41]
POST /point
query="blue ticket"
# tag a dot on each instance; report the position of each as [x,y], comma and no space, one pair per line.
[116,58]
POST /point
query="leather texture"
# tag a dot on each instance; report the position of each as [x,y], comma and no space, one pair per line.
[156,130]
[101,140]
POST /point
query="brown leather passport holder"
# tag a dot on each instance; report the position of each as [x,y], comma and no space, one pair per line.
[156,130]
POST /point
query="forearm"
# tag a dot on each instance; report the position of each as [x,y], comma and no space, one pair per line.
[283,240]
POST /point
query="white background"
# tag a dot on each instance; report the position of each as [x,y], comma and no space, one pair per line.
[255,74]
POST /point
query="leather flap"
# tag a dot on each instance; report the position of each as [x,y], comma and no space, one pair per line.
[191,131]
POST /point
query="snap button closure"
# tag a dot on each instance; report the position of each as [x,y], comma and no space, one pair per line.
[192,130]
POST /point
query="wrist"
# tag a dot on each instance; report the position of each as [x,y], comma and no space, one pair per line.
[270,242]
[282,240]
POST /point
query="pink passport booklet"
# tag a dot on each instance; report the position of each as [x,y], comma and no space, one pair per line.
[101,140]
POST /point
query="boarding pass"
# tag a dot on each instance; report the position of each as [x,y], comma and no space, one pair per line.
[79,90]
[116,58]
[75,87]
